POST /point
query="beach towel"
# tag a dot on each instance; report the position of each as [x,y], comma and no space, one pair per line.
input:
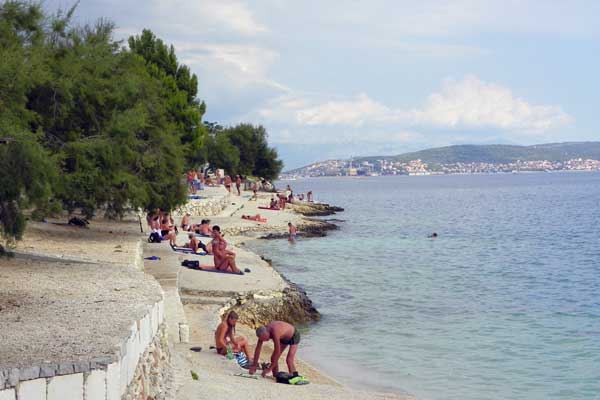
[186,250]
[195,197]
[152,258]
[268,208]
[210,268]
[195,265]
[241,359]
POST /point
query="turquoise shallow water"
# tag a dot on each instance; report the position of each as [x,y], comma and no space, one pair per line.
[504,304]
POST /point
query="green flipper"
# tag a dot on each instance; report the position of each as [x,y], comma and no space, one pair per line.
[299,380]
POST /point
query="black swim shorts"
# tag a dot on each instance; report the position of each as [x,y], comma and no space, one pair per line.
[295,339]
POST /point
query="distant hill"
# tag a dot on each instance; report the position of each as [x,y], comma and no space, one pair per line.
[494,153]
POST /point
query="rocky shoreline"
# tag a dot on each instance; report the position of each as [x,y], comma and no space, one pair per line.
[194,303]
[310,228]
[292,304]
[315,209]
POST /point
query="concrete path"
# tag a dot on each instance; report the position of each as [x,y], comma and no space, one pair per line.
[261,277]
[205,293]
[165,271]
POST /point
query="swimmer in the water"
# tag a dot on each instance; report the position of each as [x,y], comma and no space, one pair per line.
[433,235]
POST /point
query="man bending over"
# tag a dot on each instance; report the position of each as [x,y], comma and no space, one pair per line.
[283,335]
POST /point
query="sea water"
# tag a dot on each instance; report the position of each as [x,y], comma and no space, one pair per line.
[504,304]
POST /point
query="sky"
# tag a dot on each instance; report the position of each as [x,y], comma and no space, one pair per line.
[335,79]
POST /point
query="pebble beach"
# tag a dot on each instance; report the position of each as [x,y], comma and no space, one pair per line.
[110,255]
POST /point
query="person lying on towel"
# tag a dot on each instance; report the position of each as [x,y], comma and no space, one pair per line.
[256,218]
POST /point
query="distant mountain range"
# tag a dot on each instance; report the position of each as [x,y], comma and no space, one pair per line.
[491,154]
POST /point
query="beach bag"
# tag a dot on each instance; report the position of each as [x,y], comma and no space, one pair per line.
[291,379]
[154,238]
[82,223]
[191,264]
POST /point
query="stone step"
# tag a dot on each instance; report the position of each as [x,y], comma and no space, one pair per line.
[218,300]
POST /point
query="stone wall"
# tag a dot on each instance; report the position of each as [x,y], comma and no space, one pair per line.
[204,207]
[135,371]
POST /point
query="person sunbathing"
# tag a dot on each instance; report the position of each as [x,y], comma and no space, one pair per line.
[185,223]
[195,244]
[256,217]
[224,259]
[163,231]
[204,228]
[225,336]
[152,216]
[273,204]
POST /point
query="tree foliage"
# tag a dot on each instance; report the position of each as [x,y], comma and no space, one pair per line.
[180,86]
[243,150]
[88,124]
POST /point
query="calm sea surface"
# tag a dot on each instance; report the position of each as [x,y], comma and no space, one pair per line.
[505,303]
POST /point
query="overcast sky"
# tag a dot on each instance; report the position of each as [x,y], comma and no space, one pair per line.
[334,79]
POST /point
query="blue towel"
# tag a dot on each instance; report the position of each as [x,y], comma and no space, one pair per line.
[188,251]
[152,258]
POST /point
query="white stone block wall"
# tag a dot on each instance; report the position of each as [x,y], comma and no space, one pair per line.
[103,378]
[205,207]
[64,387]
[8,394]
[95,385]
[113,381]
[34,389]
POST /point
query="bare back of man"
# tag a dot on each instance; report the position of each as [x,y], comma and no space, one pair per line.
[283,335]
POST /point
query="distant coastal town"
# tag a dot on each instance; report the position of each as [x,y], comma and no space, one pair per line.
[420,167]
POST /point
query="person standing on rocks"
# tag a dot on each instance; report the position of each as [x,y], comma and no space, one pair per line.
[283,335]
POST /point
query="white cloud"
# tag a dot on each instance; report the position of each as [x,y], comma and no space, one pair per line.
[434,18]
[206,17]
[473,103]
[234,14]
[247,60]
[354,112]
[469,103]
